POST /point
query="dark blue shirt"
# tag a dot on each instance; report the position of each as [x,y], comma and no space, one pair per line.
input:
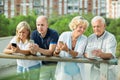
[50,38]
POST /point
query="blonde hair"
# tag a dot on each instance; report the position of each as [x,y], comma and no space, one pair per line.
[23,25]
[76,21]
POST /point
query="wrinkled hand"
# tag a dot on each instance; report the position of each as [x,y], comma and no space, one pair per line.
[56,52]
[64,47]
[60,44]
[97,52]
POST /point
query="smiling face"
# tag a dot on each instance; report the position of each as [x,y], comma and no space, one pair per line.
[80,29]
[98,27]
[23,31]
[78,25]
[23,34]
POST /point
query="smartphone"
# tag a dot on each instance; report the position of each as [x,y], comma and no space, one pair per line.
[14,44]
[60,43]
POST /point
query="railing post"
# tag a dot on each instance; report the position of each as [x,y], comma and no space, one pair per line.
[103,71]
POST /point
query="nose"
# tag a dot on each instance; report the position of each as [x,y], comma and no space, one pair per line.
[95,28]
[82,29]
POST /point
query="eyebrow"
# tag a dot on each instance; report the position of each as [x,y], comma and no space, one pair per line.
[41,24]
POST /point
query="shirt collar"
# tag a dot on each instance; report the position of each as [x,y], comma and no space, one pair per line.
[24,42]
[102,36]
[47,34]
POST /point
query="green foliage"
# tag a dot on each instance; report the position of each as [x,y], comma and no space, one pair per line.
[4,22]
[8,25]
[32,21]
[114,27]
[13,23]
[59,23]
[118,50]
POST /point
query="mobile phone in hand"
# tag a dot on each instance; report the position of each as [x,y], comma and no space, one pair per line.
[14,44]
[61,42]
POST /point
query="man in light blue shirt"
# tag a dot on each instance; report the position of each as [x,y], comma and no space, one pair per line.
[100,44]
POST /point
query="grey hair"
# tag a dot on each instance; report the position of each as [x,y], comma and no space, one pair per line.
[98,18]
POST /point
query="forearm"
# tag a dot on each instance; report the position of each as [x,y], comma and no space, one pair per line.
[26,52]
[8,51]
[106,55]
[72,53]
[46,52]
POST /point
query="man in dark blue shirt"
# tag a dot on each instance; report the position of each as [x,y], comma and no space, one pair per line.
[45,40]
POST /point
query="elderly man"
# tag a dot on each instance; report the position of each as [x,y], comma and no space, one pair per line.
[45,40]
[100,44]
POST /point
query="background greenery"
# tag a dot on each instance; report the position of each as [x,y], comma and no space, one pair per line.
[59,23]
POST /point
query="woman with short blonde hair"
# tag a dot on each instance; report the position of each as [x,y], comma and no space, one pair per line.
[72,44]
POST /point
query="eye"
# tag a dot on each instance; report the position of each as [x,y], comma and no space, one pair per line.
[40,24]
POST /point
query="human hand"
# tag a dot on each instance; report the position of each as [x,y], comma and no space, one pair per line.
[64,47]
[60,44]
[97,52]
[15,49]
[56,52]
[32,48]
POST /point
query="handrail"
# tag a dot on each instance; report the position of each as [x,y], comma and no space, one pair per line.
[62,59]
[104,64]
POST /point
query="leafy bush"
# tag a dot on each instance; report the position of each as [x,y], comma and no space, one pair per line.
[14,22]
[59,23]
[118,50]
[4,22]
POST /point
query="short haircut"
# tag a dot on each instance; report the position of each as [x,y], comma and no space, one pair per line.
[42,17]
[98,18]
[76,21]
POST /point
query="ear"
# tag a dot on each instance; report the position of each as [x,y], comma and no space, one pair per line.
[104,25]
[47,25]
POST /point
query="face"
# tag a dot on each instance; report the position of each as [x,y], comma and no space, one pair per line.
[23,34]
[80,29]
[98,27]
[42,25]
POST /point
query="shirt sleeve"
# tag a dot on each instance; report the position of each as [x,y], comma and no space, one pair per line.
[81,47]
[13,40]
[111,46]
[62,37]
[55,37]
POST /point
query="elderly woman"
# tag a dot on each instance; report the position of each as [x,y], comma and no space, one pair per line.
[72,44]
